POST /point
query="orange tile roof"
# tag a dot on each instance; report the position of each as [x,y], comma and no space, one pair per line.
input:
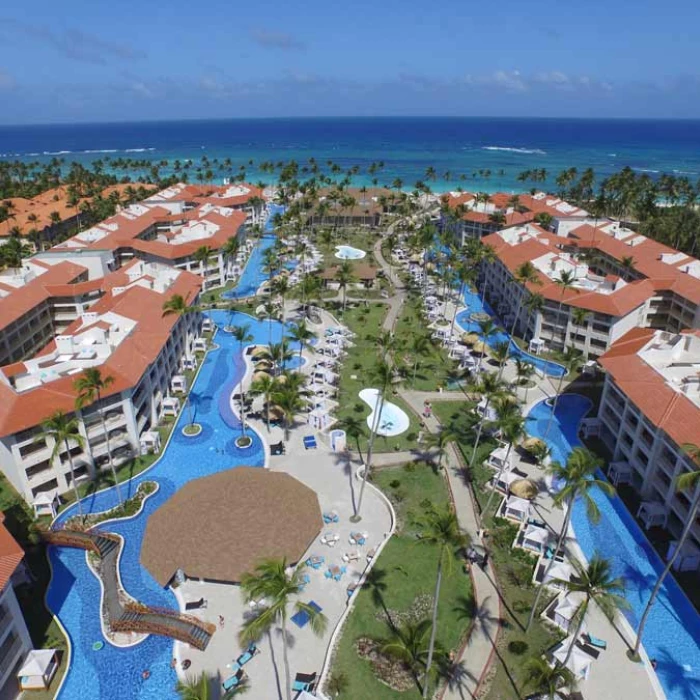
[667,409]
[10,554]
[23,299]
[127,363]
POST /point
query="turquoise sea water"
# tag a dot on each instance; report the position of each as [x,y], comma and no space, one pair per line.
[407,146]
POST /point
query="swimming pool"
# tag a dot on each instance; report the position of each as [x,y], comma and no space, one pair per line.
[74,593]
[392,420]
[253,274]
[347,252]
[672,632]
[475,305]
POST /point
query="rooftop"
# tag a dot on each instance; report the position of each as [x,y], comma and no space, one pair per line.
[220,527]
[660,373]
[10,554]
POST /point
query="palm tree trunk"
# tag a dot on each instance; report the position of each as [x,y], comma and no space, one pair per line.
[72,478]
[669,565]
[557,550]
[109,452]
[478,434]
[433,630]
[582,616]
[285,657]
[370,446]
[554,407]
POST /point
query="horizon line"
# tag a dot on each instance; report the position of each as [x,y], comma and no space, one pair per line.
[346,117]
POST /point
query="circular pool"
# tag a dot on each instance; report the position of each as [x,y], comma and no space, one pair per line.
[347,252]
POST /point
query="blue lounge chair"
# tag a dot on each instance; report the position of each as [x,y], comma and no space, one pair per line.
[310,442]
[304,682]
[247,655]
[595,641]
[234,680]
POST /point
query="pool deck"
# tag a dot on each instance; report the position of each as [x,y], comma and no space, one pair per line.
[612,676]
[334,480]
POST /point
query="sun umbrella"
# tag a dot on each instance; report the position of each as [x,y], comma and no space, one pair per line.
[259,375]
[282,379]
[262,364]
[274,412]
[479,347]
[470,338]
[260,350]
[532,443]
[524,488]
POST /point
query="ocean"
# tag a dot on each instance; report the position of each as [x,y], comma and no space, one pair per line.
[457,148]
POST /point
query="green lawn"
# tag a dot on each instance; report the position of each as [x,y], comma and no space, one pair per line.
[435,368]
[404,570]
[356,374]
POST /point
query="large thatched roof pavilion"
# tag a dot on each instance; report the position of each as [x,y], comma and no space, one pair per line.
[219,527]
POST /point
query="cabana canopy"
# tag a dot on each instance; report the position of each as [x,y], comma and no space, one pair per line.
[38,670]
[516,508]
[652,514]
[579,662]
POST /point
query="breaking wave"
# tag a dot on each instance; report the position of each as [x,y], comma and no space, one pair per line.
[512,149]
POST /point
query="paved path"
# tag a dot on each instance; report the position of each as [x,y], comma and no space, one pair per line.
[397,300]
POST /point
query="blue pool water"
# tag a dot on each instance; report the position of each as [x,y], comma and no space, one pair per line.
[74,593]
[347,252]
[672,632]
[474,304]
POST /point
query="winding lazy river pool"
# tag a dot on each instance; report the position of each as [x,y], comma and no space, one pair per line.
[114,673]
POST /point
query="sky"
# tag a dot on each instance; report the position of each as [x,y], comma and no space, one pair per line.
[87,61]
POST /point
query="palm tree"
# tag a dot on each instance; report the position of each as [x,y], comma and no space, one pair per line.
[534,304]
[242,334]
[265,386]
[270,312]
[440,529]
[500,352]
[579,317]
[62,428]
[685,482]
[90,387]
[578,479]
[524,371]
[420,346]
[354,428]
[202,255]
[571,360]
[440,441]
[487,329]
[565,282]
[490,387]
[271,581]
[344,276]
[177,306]
[597,585]
[383,373]
[280,353]
[547,680]
[526,273]
[302,334]
[280,286]
[291,401]
[409,644]
[199,688]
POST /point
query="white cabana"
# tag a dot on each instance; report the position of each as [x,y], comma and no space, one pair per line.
[38,669]
[535,538]
[319,419]
[536,346]
[560,571]
[516,509]
[488,413]
[200,344]
[579,662]
[207,324]
[46,503]
[171,406]
[188,363]
[338,440]
[620,473]
[500,458]
[503,480]
[179,383]
[652,514]
[323,375]
[150,442]
[688,558]
[590,427]
[563,610]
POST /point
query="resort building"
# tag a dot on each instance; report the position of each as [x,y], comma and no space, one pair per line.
[649,410]
[620,280]
[124,334]
[353,206]
[15,642]
[480,215]
[177,232]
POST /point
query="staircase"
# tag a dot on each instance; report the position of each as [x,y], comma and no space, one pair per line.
[132,617]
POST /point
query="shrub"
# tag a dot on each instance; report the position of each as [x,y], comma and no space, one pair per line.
[517,647]
[394,483]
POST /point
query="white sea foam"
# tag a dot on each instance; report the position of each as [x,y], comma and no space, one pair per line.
[139,150]
[685,172]
[613,155]
[100,150]
[511,149]
[56,153]
[646,170]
